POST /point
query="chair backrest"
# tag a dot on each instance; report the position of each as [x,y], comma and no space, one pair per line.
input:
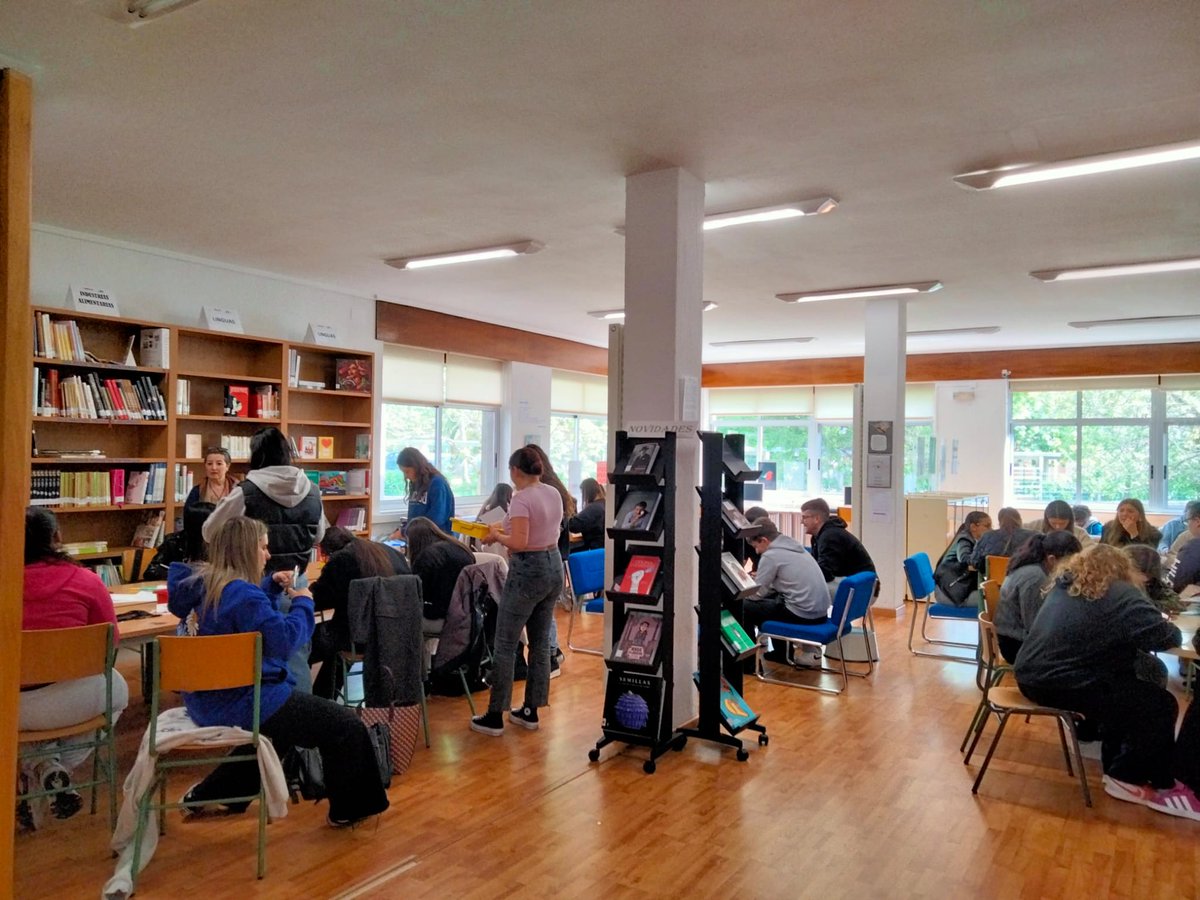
[988,645]
[61,654]
[991,597]
[920,575]
[587,571]
[209,663]
[854,594]
[997,569]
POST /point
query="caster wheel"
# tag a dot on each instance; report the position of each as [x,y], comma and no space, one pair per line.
[679,744]
[594,755]
[763,740]
[649,766]
[743,755]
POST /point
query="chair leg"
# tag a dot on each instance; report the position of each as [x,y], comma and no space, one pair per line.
[1083,782]
[912,625]
[980,711]
[979,726]
[162,802]
[262,830]
[95,768]
[467,690]
[111,760]
[1062,737]
[143,822]
[425,715]
[992,749]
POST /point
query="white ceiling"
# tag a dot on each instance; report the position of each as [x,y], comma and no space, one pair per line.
[315,138]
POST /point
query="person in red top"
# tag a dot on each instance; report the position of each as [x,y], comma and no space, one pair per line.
[60,593]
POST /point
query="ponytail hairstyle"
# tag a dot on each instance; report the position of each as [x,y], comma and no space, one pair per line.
[1059,544]
[41,537]
[550,477]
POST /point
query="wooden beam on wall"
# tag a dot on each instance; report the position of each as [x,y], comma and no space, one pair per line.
[16,386]
[1059,362]
[396,323]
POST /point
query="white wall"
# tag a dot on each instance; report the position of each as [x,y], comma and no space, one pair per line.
[979,424]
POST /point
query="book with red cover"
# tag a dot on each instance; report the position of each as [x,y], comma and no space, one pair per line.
[239,401]
[639,574]
[353,375]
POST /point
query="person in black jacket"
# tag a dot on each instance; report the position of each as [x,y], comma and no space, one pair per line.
[589,522]
[1081,654]
[437,559]
[349,558]
[836,550]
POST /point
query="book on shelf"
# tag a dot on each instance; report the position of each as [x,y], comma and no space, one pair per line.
[633,703]
[331,483]
[185,480]
[264,402]
[735,711]
[356,481]
[193,446]
[325,446]
[736,572]
[362,446]
[238,445]
[639,638]
[237,400]
[183,397]
[149,532]
[639,574]
[308,447]
[637,510]
[641,460]
[733,635]
[353,375]
[155,348]
[109,573]
[733,517]
[77,548]
[310,384]
[293,368]
[70,454]
[117,486]
[353,518]
[136,483]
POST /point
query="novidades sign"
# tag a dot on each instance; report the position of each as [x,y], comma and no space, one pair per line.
[92,300]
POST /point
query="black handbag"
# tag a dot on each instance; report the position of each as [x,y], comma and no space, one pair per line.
[381,743]
[955,578]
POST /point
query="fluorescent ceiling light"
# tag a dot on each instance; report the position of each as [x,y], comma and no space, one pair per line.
[619,312]
[885,290]
[520,248]
[1011,176]
[1137,320]
[1144,268]
[813,207]
[750,343]
[944,332]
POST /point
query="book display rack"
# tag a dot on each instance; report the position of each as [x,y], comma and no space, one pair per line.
[640,677]
[115,397]
[724,644]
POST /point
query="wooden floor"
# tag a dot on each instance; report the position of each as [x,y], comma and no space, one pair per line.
[862,795]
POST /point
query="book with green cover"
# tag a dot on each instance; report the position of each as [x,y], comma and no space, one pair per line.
[734,634]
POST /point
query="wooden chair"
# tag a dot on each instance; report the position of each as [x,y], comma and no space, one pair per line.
[586,572]
[64,654]
[991,597]
[997,569]
[990,672]
[1006,701]
[209,663]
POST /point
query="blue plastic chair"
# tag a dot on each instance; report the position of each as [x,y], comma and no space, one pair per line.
[851,603]
[924,590]
[1095,529]
[586,570]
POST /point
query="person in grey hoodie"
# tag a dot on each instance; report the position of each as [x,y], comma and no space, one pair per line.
[1023,590]
[281,496]
[791,584]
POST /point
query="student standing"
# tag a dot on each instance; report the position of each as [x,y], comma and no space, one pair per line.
[429,493]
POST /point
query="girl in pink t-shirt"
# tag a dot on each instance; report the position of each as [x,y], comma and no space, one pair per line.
[535,580]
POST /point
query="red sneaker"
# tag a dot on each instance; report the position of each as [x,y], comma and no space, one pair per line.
[1176,801]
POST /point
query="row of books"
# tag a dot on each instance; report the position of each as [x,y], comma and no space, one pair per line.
[110,573]
[58,339]
[354,518]
[150,532]
[336,482]
[111,487]
[261,402]
[90,397]
[78,548]
[185,480]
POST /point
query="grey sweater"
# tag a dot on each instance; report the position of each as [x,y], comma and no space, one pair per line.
[1075,643]
[788,570]
[1020,599]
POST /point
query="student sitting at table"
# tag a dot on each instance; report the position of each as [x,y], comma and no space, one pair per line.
[1058,516]
[589,521]
[1081,654]
[1130,526]
[1004,541]
[437,559]
[60,593]
[956,579]
[350,558]
[225,596]
[1024,587]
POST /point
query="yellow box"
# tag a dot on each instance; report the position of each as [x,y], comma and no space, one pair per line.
[470,529]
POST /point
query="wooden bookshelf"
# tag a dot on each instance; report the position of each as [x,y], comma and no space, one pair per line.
[209,361]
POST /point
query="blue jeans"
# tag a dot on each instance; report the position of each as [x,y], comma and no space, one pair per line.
[534,583]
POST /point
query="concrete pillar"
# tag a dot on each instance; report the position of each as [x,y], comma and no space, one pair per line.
[881,509]
[664,256]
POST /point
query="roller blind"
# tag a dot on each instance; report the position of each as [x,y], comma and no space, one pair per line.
[834,401]
[412,375]
[1129,383]
[577,392]
[796,401]
[474,380]
[918,401]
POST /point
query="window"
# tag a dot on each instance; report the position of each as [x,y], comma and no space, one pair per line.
[1101,444]
[920,456]
[458,440]
[578,444]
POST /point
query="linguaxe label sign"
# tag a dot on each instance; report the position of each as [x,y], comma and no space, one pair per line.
[92,300]
[216,319]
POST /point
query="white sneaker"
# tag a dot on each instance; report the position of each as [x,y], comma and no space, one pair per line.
[809,659]
[1130,793]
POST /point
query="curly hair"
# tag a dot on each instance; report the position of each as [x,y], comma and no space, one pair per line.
[1091,572]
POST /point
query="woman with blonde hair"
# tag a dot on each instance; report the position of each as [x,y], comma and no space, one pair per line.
[226,596]
[1081,654]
